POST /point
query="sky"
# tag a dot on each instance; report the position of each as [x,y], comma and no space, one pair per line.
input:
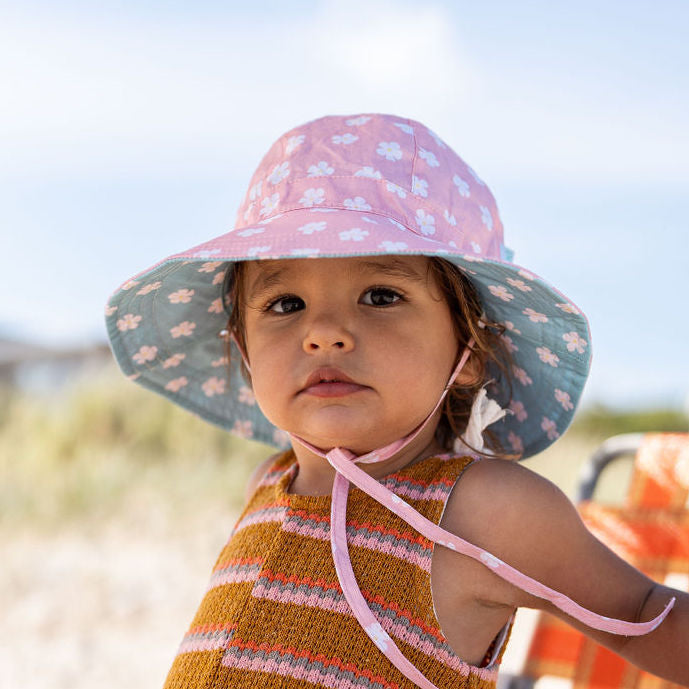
[129,131]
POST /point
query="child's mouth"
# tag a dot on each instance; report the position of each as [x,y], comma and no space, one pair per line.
[331,383]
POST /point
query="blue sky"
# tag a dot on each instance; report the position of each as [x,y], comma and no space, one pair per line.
[129,131]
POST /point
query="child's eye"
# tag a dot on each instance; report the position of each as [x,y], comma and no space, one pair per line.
[380,296]
[286,304]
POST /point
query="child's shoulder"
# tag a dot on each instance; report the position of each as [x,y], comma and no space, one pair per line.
[514,513]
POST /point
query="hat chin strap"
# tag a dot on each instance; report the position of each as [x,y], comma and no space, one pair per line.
[345,464]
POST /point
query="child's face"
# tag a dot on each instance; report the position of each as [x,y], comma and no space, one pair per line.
[349,352]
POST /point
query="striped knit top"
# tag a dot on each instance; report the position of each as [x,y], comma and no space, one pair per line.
[274,614]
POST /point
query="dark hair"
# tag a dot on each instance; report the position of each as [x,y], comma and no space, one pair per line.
[490,359]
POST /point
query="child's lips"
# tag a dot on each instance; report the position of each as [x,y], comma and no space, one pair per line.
[331,382]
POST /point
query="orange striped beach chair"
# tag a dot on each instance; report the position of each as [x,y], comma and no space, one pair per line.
[650,530]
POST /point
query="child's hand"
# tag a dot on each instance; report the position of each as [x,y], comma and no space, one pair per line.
[528,522]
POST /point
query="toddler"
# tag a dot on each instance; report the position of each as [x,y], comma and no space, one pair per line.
[365,318]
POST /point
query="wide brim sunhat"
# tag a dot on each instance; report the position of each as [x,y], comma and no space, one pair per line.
[345,186]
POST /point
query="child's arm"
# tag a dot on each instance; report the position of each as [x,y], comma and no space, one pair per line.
[529,523]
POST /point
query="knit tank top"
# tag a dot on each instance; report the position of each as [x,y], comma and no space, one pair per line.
[274,614]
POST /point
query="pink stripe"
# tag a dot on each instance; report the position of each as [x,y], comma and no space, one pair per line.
[193,645]
[371,542]
[233,577]
[272,514]
[313,600]
[421,493]
[286,667]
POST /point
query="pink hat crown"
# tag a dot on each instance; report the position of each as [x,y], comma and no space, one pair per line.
[381,164]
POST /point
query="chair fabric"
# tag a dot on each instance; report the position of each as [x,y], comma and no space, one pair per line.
[651,531]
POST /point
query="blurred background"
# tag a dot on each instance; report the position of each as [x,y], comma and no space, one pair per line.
[129,131]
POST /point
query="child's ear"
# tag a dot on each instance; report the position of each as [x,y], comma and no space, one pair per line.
[472,372]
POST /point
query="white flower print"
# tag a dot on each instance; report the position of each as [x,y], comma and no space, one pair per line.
[476,247]
[564,399]
[344,139]
[216,306]
[109,310]
[174,360]
[425,221]
[129,284]
[501,292]
[568,308]
[486,218]
[462,186]
[518,410]
[405,127]
[525,274]
[312,227]
[365,218]
[390,150]
[450,219]
[207,253]
[357,121]
[247,212]
[509,343]
[313,196]
[368,171]
[213,386]
[147,289]
[396,189]
[392,247]
[251,231]
[269,204]
[267,221]
[294,142]
[175,384]
[255,191]
[355,234]
[521,375]
[510,326]
[145,354]
[358,203]
[547,357]
[221,361]
[378,635]
[548,425]
[516,442]
[322,210]
[305,251]
[419,186]
[476,177]
[246,396]
[255,250]
[429,157]
[397,224]
[438,141]
[244,429]
[535,316]
[320,170]
[490,559]
[575,342]
[279,173]
[519,284]
[128,322]
[181,296]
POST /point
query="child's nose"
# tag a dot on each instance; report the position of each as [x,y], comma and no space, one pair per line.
[327,334]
